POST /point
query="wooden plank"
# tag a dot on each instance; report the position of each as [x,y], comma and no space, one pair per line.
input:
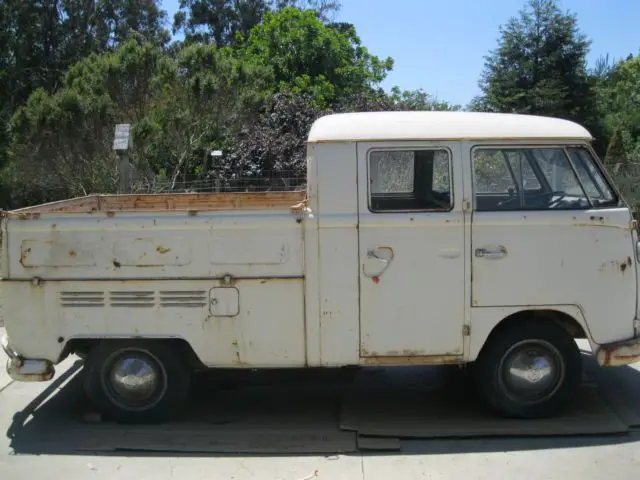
[201,201]
[166,202]
[71,205]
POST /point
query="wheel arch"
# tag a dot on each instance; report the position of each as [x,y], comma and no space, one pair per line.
[83,345]
[489,321]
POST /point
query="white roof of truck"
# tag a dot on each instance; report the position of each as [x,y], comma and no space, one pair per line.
[377,126]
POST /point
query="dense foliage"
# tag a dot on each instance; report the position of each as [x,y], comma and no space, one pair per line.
[248,77]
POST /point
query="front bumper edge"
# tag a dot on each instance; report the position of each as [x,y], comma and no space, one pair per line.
[619,353]
[26,369]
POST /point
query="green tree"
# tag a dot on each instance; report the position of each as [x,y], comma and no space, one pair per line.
[222,22]
[217,21]
[180,109]
[120,20]
[619,102]
[418,100]
[324,9]
[214,94]
[271,148]
[616,154]
[539,66]
[308,57]
[40,39]
[62,141]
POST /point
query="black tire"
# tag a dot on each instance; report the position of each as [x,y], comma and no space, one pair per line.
[498,385]
[165,399]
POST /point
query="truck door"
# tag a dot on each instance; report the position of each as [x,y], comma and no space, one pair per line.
[548,229]
[411,250]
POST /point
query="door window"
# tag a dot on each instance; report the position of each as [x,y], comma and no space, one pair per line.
[410,180]
[538,179]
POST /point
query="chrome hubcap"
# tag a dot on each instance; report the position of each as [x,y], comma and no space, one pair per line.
[532,371]
[135,380]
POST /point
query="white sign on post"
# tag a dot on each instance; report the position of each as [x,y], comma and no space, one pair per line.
[122,138]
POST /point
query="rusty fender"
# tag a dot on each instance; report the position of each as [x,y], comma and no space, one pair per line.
[619,353]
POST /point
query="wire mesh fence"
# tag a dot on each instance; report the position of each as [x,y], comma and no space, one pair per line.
[627,178]
[276,181]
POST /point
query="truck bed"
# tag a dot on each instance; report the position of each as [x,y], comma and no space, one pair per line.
[164,202]
[155,236]
[224,272]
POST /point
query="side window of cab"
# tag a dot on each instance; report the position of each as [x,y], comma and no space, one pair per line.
[410,180]
[538,178]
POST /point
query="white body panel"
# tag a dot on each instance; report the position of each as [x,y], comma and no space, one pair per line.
[336,214]
[590,267]
[250,330]
[268,287]
[154,245]
[439,126]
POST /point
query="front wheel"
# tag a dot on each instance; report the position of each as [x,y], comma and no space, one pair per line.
[135,381]
[529,369]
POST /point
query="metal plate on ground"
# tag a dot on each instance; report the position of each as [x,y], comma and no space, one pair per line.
[438,403]
[304,412]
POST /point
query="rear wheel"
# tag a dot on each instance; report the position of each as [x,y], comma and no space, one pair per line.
[136,382]
[529,369]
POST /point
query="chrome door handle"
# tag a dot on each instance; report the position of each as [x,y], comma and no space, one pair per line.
[378,254]
[491,253]
[372,253]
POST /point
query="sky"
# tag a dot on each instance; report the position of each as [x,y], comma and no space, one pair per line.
[439,45]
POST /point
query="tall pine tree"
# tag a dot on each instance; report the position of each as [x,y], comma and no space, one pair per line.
[539,66]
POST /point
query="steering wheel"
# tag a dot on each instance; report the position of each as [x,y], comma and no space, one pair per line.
[508,201]
[532,197]
[557,200]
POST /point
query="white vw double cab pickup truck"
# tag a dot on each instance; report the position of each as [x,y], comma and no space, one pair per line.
[422,238]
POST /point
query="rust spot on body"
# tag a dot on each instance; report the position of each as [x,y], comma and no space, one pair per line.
[237,359]
[116,263]
[376,279]
[28,216]
[411,360]
[73,253]
[616,265]
[162,250]
[24,254]
[617,355]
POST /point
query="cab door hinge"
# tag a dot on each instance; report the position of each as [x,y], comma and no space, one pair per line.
[466,330]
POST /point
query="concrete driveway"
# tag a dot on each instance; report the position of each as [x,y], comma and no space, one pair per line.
[33,418]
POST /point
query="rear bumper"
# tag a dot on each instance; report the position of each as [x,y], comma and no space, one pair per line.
[26,369]
[619,353]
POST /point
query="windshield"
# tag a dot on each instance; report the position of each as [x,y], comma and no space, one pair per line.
[539,178]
